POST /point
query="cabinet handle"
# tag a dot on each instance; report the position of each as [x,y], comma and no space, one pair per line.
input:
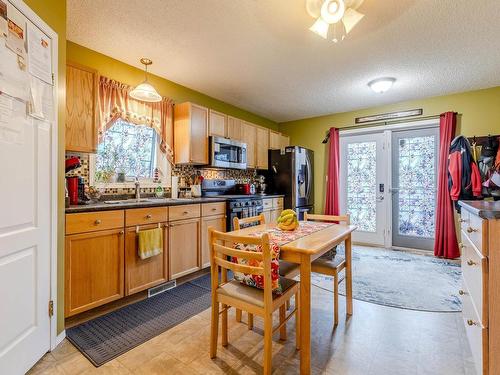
[97,222]
[214,209]
[185,212]
[470,230]
[471,322]
[461,292]
[149,216]
[470,262]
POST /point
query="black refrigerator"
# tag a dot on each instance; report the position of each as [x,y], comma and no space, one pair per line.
[291,173]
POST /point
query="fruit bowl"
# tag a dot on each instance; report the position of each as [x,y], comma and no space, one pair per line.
[288,220]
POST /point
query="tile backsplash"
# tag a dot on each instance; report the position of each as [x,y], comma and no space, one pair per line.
[183,171]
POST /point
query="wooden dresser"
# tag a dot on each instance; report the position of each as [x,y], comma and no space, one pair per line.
[480,231]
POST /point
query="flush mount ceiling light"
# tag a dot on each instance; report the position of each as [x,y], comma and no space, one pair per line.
[145,92]
[381,85]
[342,14]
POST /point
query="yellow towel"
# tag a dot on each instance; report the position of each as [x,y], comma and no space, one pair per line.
[150,243]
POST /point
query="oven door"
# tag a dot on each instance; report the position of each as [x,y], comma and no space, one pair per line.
[227,153]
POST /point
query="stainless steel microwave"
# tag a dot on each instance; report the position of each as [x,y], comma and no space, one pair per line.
[227,153]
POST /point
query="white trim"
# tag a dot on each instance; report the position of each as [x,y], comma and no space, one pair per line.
[60,337]
[38,22]
[421,124]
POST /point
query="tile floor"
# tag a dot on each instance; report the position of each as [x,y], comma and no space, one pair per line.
[376,340]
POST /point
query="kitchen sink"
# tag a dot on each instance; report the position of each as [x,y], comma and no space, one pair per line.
[125,201]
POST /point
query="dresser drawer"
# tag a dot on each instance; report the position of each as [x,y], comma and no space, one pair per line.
[477,335]
[477,231]
[475,276]
[210,209]
[143,216]
[267,204]
[94,221]
[187,211]
[277,202]
[464,220]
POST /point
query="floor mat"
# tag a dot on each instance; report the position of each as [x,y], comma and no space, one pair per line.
[113,334]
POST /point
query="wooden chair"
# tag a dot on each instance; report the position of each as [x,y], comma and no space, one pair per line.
[330,267]
[235,294]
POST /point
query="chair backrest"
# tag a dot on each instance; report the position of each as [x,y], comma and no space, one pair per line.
[328,218]
[237,222]
[219,253]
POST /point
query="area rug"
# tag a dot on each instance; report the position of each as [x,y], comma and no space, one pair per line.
[106,337]
[401,279]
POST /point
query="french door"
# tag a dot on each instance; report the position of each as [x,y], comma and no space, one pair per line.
[388,186]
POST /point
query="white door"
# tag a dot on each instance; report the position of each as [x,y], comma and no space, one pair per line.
[363,175]
[25,233]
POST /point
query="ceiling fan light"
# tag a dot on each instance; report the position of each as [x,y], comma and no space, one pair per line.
[381,85]
[145,92]
[332,11]
[320,27]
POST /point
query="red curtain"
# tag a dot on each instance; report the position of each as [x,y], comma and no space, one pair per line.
[445,243]
[332,183]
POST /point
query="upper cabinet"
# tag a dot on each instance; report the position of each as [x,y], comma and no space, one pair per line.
[277,140]
[285,141]
[81,108]
[234,128]
[190,134]
[249,136]
[217,124]
[261,147]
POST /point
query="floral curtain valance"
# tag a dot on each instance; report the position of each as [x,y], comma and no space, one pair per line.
[115,103]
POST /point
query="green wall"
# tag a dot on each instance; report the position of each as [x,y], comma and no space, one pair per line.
[479,115]
[128,74]
[53,12]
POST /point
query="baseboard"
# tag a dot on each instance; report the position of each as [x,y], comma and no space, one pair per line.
[59,338]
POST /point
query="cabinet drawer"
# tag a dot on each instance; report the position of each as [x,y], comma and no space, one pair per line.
[464,220]
[142,216]
[187,211]
[210,209]
[93,221]
[278,202]
[267,204]
[477,335]
[477,231]
[475,276]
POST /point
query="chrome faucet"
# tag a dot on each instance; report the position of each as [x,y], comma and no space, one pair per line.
[137,189]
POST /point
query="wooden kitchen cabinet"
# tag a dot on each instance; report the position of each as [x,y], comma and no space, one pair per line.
[249,136]
[81,108]
[218,222]
[261,147]
[94,269]
[184,247]
[217,124]
[285,141]
[141,274]
[234,128]
[190,134]
[274,140]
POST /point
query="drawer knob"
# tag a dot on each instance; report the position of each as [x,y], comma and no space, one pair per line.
[471,322]
[462,221]
[214,209]
[461,292]
[97,222]
[470,262]
[121,232]
[149,216]
[470,230]
[461,245]
[185,212]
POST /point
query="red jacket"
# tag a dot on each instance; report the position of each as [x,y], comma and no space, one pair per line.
[464,177]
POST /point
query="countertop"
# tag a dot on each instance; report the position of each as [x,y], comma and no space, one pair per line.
[484,209]
[160,202]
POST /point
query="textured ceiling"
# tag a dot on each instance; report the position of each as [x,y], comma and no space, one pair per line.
[260,56]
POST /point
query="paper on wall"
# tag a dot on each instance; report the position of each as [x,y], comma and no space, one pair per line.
[3,19]
[6,107]
[13,80]
[39,54]
[41,100]
[13,120]
[16,34]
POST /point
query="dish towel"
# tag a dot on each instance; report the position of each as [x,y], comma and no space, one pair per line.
[150,243]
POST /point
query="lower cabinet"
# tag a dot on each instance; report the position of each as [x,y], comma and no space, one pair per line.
[184,247]
[94,269]
[143,274]
[218,223]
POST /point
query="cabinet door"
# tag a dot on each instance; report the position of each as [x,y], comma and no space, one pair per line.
[184,247]
[143,274]
[285,141]
[274,140]
[274,215]
[219,224]
[217,124]
[199,135]
[94,265]
[267,216]
[81,103]
[234,128]
[262,145]
[249,136]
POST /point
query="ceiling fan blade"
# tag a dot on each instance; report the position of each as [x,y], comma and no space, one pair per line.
[320,27]
[351,19]
[313,7]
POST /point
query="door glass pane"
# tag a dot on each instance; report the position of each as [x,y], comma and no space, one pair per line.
[361,185]
[417,186]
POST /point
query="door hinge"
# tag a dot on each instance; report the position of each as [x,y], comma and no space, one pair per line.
[51,308]
[53,78]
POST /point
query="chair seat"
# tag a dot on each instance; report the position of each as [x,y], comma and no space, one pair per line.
[249,294]
[289,269]
[328,266]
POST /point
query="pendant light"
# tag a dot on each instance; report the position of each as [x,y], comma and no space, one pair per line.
[145,92]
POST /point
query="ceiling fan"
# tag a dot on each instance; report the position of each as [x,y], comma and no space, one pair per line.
[341,14]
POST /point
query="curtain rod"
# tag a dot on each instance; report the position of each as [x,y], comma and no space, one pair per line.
[382,123]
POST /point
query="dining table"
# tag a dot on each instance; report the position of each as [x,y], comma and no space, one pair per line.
[303,251]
